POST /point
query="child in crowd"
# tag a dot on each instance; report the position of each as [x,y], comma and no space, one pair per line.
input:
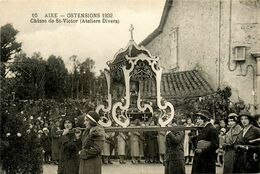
[220,151]
[188,146]
[46,145]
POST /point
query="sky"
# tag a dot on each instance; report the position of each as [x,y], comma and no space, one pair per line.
[99,41]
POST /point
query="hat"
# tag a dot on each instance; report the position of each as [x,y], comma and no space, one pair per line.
[93,116]
[232,116]
[80,122]
[250,117]
[204,114]
[245,113]
[69,118]
[223,130]
[45,129]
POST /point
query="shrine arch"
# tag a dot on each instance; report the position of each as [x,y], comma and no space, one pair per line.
[132,67]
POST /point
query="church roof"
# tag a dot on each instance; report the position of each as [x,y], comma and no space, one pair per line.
[186,84]
[159,29]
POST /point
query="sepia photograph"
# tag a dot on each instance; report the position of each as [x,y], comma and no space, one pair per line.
[129,87]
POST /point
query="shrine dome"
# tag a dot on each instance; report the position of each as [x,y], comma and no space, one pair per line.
[132,50]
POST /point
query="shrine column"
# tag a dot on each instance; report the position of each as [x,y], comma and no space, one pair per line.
[257,56]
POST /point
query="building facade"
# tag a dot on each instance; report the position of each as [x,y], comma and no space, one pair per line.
[218,38]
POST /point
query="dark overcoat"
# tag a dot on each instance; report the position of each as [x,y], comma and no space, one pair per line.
[46,143]
[246,160]
[152,144]
[92,146]
[174,154]
[204,162]
[69,158]
[55,144]
[228,146]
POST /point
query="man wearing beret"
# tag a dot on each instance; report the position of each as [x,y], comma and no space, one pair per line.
[206,145]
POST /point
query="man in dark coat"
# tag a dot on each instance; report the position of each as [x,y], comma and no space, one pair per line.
[174,155]
[152,151]
[206,145]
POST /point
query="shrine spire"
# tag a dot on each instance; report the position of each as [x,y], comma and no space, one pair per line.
[131,29]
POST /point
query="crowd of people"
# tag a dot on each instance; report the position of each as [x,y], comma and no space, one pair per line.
[236,143]
[232,143]
[146,147]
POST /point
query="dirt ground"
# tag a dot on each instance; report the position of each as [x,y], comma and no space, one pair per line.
[127,168]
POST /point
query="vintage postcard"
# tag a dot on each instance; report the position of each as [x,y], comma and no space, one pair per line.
[123,86]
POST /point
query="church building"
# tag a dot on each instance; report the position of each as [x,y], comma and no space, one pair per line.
[212,44]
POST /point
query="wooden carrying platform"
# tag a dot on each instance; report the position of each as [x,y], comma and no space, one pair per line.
[146,128]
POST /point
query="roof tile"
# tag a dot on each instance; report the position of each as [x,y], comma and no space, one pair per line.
[177,85]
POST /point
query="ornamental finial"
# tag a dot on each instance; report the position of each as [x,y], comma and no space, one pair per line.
[131,31]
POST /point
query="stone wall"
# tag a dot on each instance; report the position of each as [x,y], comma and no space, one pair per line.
[241,28]
[203,35]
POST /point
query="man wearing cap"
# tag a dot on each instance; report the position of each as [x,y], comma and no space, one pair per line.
[206,145]
[247,146]
[229,142]
[92,145]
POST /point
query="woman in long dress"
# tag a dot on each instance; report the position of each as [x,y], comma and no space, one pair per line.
[70,145]
[161,145]
[121,144]
[92,145]
[247,149]
[55,142]
[46,144]
[229,142]
[134,144]
[152,145]
[107,150]
[174,156]
[141,146]
[206,145]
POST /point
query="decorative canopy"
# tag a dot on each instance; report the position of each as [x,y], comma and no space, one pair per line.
[131,51]
[132,67]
